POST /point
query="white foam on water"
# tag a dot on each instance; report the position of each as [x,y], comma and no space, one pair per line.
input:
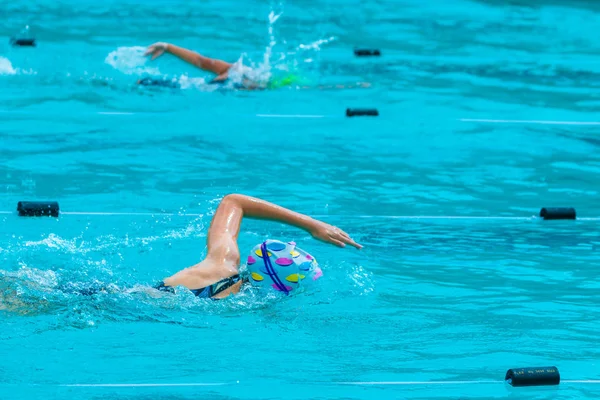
[46,278]
[186,82]
[6,67]
[131,61]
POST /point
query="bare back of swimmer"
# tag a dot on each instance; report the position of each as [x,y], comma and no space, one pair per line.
[217,275]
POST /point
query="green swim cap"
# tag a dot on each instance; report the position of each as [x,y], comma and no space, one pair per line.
[287,80]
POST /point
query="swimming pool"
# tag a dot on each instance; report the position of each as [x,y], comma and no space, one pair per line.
[426,300]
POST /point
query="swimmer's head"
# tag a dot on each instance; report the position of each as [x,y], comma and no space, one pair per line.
[287,80]
[281,266]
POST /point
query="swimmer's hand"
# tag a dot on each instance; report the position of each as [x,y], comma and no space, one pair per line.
[156,49]
[331,234]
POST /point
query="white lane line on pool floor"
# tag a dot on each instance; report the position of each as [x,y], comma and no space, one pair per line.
[423,383]
[429,217]
[312,116]
[539,122]
[114,113]
[143,384]
[289,116]
[133,214]
[417,383]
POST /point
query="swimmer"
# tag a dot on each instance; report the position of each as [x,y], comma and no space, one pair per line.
[271,265]
[218,67]
[274,264]
[222,69]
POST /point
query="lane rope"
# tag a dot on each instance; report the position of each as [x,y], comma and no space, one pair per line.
[321,216]
[358,383]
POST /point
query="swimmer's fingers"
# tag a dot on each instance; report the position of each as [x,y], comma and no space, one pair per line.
[342,242]
[338,243]
[347,239]
[351,242]
[333,238]
[331,234]
[155,53]
[156,50]
[344,234]
[150,50]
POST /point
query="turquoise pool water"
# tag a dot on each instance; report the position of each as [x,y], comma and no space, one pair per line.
[425,300]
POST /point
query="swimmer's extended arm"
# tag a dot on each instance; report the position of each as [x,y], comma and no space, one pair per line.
[225,226]
[208,64]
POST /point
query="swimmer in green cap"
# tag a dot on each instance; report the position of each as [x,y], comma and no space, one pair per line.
[223,70]
[219,67]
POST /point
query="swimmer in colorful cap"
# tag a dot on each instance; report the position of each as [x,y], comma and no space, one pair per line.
[220,68]
[273,264]
[223,70]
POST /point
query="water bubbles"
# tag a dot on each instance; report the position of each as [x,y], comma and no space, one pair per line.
[316,45]
[273,17]
[25,33]
[362,280]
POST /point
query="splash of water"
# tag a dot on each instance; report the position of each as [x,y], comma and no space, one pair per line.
[316,45]
[78,245]
[6,67]
[87,294]
[186,82]
[284,61]
[53,241]
[131,61]
[31,275]
[272,40]
[259,73]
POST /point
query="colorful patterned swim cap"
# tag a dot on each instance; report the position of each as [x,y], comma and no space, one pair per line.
[282,266]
